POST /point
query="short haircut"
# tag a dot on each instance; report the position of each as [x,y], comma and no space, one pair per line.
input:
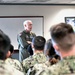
[4,45]
[39,42]
[61,35]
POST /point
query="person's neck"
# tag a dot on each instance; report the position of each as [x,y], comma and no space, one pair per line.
[38,51]
[27,31]
[69,53]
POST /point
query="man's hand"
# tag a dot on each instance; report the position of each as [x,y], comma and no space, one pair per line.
[29,42]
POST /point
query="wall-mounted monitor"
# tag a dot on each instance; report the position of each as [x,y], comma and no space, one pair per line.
[71,21]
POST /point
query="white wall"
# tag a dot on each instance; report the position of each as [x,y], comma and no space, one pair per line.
[52,14]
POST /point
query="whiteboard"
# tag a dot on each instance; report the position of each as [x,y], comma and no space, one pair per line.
[13,25]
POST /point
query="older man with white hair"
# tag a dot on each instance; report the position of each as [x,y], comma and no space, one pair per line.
[24,40]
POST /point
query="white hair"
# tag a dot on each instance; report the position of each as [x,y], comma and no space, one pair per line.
[25,22]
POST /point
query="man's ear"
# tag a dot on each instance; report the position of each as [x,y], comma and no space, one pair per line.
[8,54]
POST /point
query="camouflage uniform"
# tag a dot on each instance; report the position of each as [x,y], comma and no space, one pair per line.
[64,67]
[15,63]
[30,61]
[6,69]
[22,39]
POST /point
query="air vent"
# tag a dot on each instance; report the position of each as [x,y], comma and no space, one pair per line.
[39,0]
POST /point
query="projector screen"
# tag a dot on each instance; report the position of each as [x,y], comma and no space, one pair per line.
[13,25]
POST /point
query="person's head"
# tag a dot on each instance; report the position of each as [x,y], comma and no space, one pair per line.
[4,45]
[38,43]
[27,25]
[62,37]
[49,50]
[60,29]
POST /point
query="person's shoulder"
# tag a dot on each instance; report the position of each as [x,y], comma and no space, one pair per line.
[59,68]
[39,58]
[27,63]
[21,33]
[9,60]
[62,67]
[32,33]
[44,69]
[27,60]
[14,62]
[7,69]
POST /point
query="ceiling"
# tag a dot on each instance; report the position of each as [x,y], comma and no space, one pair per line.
[37,1]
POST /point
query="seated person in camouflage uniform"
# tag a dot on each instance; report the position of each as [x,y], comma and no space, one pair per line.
[6,69]
[14,62]
[4,51]
[38,56]
[63,40]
